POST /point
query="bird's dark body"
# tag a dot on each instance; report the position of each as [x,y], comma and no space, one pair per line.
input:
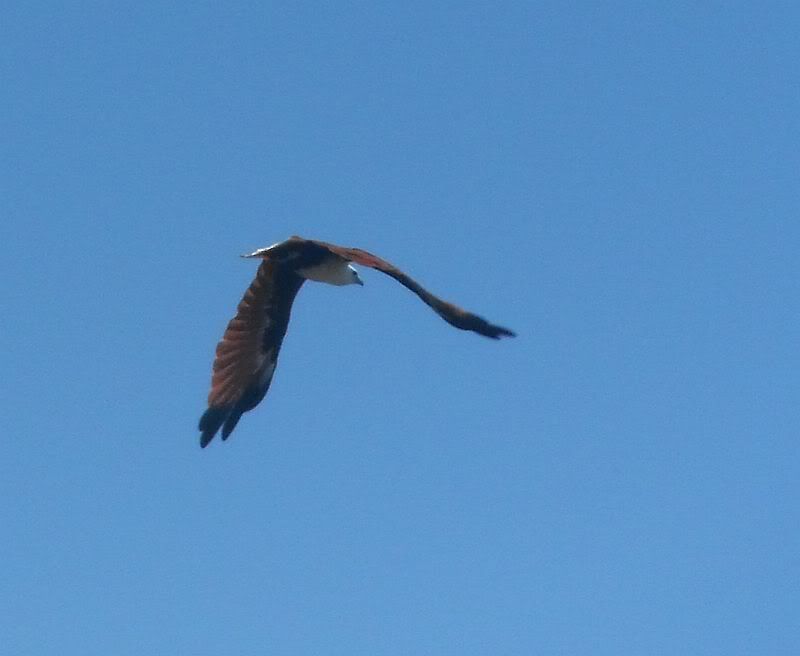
[297,253]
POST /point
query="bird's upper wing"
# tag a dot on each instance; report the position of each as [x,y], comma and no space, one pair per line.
[453,314]
[248,352]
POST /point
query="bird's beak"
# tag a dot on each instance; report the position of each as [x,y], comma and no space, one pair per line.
[360,282]
[257,253]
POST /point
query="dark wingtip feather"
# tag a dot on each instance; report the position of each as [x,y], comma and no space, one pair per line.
[503,332]
[230,423]
[210,423]
[483,327]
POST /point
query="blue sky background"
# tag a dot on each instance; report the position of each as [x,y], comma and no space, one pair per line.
[617,182]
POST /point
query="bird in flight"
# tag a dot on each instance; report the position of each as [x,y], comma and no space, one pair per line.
[248,351]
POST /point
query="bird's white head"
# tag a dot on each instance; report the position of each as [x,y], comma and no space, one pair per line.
[335,274]
[352,276]
[333,271]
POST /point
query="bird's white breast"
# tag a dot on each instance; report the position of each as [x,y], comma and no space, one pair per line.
[332,270]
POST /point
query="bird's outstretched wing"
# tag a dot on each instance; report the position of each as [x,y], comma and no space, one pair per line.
[452,314]
[248,352]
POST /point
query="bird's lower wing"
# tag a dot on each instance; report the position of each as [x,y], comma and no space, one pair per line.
[247,354]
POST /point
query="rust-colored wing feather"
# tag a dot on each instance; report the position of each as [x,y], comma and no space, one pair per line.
[453,314]
[248,352]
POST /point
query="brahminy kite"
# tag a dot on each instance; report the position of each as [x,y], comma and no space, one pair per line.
[248,352]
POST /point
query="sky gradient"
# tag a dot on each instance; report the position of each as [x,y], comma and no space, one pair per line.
[618,183]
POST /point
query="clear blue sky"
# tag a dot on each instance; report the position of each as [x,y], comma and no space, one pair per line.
[616,182]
